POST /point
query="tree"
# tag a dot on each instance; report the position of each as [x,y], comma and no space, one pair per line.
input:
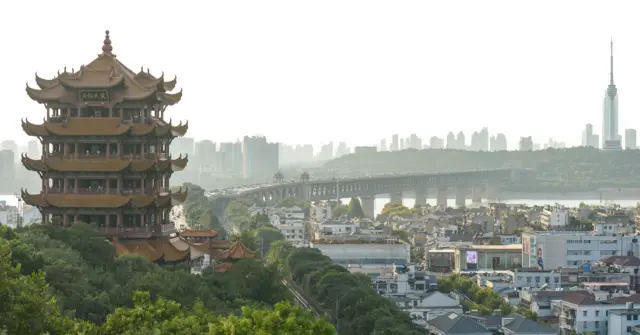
[339,211]
[167,317]
[355,208]
[27,306]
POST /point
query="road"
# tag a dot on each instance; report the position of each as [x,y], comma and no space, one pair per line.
[180,218]
[300,299]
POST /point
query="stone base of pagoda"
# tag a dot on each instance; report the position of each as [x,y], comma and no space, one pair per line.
[138,232]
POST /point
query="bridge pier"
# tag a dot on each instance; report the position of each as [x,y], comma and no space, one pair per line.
[368,206]
[395,198]
[421,197]
[442,196]
[461,196]
[476,194]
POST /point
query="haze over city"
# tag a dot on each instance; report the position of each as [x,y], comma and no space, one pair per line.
[356,71]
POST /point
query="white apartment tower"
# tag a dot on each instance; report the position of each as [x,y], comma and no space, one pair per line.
[610,136]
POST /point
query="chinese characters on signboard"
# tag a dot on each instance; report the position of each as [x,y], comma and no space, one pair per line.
[94,97]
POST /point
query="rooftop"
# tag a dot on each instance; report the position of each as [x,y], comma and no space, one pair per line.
[509,247]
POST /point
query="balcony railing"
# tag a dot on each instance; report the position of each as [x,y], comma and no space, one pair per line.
[109,156]
[146,191]
[163,228]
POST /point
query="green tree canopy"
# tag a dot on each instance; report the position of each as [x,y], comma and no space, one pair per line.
[355,208]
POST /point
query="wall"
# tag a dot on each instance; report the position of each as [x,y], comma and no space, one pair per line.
[366,253]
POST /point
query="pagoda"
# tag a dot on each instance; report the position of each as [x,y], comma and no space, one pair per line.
[105,149]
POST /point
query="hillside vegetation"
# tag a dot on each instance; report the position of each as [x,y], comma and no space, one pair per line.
[573,169]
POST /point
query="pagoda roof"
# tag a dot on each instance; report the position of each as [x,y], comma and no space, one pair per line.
[103,200]
[237,251]
[198,233]
[105,72]
[152,250]
[169,249]
[103,126]
[222,267]
[103,164]
[219,245]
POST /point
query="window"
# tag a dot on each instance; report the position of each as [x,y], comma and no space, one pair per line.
[584,324]
[584,313]
[635,317]
[628,329]
[597,324]
[628,317]
[556,280]
[597,313]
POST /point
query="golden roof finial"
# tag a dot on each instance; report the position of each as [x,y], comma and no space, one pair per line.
[106,46]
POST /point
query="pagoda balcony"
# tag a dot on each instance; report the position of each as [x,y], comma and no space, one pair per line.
[138,232]
[112,155]
[146,191]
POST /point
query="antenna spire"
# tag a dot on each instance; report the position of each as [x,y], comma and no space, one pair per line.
[611,80]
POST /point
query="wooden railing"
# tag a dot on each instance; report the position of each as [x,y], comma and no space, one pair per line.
[163,228]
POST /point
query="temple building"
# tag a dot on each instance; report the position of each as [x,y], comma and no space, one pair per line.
[105,152]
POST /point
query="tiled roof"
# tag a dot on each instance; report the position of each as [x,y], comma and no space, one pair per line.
[105,126]
[103,200]
[579,299]
[453,323]
[522,325]
[105,72]
[199,233]
[622,260]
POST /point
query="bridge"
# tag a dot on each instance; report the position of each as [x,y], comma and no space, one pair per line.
[479,184]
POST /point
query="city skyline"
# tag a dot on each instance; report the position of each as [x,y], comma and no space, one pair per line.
[321,81]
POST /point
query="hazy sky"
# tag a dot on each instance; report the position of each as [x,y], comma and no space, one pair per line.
[314,71]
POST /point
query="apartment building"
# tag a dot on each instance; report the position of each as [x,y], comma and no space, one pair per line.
[553,217]
[553,249]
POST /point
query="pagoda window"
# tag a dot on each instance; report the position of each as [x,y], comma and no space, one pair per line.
[57,148]
[95,112]
[92,149]
[71,148]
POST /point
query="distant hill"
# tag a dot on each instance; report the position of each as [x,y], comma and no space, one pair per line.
[574,169]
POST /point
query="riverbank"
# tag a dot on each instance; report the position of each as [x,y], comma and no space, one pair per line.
[604,195]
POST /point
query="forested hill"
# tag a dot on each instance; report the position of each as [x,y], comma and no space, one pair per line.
[574,169]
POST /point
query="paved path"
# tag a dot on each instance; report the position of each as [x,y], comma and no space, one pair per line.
[180,217]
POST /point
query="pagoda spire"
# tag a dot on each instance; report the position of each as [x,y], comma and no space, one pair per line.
[106,46]
[611,80]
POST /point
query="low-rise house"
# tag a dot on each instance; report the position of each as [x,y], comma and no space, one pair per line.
[427,306]
[515,324]
[456,324]
[534,277]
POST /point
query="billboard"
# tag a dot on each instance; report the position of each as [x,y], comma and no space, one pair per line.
[472,257]
[539,256]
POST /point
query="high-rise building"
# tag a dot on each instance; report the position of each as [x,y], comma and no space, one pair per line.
[589,139]
[205,153]
[630,139]
[33,149]
[451,141]
[182,145]
[260,159]
[610,136]
[498,142]
[395,143]
[383,145]
[526,143]
[436,142]
[231,154]
[413,142]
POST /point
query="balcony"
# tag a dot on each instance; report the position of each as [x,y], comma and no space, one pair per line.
[138,232]
[103,155]
[112,191]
